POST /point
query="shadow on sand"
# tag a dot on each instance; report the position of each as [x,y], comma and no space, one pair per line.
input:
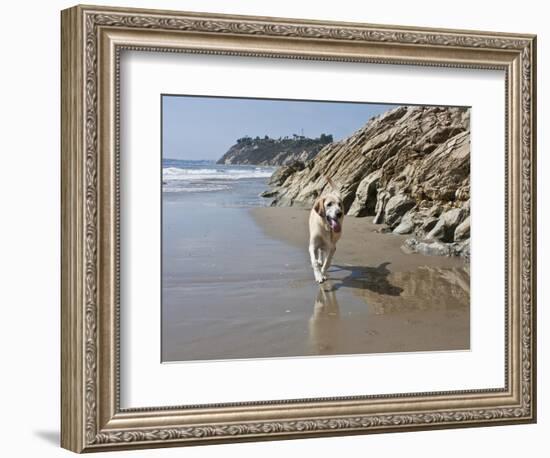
[374,279]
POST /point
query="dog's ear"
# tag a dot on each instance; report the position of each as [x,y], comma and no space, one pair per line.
[319,206]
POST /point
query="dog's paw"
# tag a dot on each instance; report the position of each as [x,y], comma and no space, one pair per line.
[319,277]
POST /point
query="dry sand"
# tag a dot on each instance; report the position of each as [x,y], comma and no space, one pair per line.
[361,244]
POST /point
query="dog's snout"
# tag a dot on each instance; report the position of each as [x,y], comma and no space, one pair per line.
[338,214]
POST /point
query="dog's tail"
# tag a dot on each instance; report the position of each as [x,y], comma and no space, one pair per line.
[332,185]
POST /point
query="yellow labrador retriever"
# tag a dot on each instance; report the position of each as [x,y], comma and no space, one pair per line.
[325,229]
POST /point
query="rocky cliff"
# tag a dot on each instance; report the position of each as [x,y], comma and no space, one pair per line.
[408,168]
[272,151]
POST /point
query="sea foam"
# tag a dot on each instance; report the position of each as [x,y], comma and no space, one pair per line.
[179,174]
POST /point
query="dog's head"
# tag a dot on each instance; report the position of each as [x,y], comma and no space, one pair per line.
[331,208]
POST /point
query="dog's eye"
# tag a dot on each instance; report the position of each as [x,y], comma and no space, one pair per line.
[329,204]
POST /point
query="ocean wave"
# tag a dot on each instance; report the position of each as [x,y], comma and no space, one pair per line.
[186,189]
[179,174]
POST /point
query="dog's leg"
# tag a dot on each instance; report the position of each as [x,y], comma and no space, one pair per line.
[328,260]
[319,277]
[320,258]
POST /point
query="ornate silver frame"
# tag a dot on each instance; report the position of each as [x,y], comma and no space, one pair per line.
[92,39]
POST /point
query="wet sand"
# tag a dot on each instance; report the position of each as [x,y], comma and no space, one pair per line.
[237,284]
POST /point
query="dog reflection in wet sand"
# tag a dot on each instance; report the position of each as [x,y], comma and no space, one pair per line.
[324,324]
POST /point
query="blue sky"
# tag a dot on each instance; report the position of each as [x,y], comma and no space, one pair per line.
[205,127]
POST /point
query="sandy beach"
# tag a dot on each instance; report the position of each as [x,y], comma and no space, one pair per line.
[409,302]
[237,284]
[362,242]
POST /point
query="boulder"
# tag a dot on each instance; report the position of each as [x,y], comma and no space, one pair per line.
[445,228]
[435,210]
[407,224]
[428,248]
[428,224]
[396,207]
[364,203]
[381,202]
[462,231]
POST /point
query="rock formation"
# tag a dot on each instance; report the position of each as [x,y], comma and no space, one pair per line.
[408,168]
[272,151]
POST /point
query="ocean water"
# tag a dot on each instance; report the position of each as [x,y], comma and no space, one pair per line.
[216,263]
[214,184]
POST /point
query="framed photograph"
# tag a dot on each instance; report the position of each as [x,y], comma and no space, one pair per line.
[279,228]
